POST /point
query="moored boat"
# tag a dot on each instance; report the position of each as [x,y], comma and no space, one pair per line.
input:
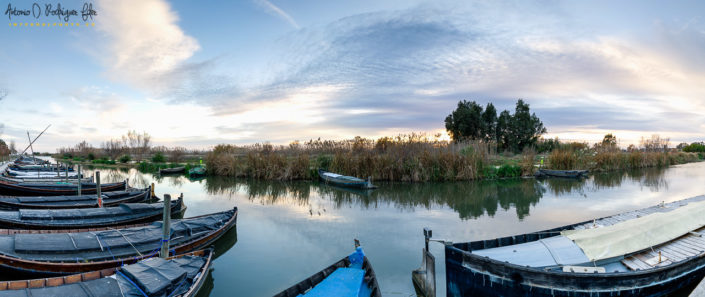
[115,216]
[351,276]
[344,181]
[561,173]
[182,275]
[172,170]
[649,252]
[55,189]
[55,252]
[75,201]
[197,171]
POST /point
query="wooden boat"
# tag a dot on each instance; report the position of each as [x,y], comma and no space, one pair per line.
[351,276]
[648,252]
[41,168]
[114,216]
[181,276]
[561,173]
[55,189]
[172,170]
[83,201]
[39,174]
[197,171]
[56,252]
[344,181]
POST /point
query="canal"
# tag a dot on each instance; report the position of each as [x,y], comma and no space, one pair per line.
[287,231]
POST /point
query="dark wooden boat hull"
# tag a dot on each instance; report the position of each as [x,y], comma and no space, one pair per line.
[172,170]
[469,274]
[177,208]
[138,196]
[87,276]
[561,173]
[7,188]
[315,279]
[46,268]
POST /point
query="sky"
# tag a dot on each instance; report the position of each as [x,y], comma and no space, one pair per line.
[201,73]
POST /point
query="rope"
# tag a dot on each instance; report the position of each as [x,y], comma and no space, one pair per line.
[72,241]
[128,241]
[98,239]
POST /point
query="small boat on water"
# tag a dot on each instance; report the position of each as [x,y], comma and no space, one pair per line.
[197,171]
[561,173]
[172,170]
[75,201]
[56,252]
[55,189]
[345,181]
[114,216]
[352,276]
[178,276]
[649,252]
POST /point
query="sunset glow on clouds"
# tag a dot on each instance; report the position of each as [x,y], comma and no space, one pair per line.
[199,74]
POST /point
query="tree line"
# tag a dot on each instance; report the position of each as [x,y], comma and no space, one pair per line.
[511,132]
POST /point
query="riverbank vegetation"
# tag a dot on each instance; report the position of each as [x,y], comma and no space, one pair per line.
[483,146]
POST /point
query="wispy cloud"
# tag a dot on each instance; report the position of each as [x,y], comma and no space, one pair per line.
[144,41]
[407,69]
[274,10]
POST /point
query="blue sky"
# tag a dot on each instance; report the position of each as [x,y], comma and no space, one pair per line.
[201,73]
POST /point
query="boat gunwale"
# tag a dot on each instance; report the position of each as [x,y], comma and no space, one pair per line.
[72,267]
[303,286]
[132,197]
[48,282]
[177,207]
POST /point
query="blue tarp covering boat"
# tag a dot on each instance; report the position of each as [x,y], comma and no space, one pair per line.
[350,277]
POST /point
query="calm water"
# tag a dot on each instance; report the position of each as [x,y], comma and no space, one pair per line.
[288,231]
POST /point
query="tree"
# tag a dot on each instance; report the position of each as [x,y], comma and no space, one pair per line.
[503,130]
[138,143]
[465,122]
[526,127]
[489,122]
[609,140]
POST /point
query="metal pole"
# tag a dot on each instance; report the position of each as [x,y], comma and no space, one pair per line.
[79,179]
[97,188]
[166,227]
[34,159]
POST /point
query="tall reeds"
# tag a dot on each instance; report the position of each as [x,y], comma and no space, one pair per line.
[412,157]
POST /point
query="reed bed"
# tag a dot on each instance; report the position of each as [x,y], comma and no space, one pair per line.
[616,160]
[418,158]
[414,157]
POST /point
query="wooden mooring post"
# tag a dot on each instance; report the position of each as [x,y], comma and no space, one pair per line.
[79,180]
[166,227]
[97,188]
[424,278]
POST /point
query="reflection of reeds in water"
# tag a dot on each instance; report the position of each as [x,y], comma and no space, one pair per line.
[470,200]
[564,186]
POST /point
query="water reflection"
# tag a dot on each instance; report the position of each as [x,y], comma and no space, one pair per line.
[469,199]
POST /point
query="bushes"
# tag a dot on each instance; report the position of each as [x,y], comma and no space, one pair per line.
[124,159]
[158,158]
[695,147]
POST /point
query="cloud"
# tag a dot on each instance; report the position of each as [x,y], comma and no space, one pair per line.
[406,70]
[278,12]
[145,42]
